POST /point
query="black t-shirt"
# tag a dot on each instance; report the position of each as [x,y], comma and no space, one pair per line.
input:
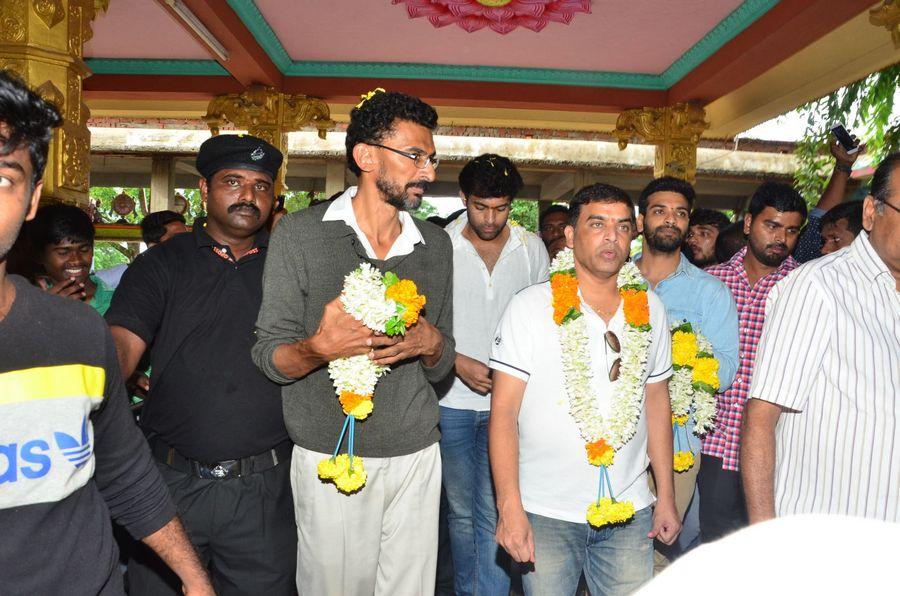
[196,307]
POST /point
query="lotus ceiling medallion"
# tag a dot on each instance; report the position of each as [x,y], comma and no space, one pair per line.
[502,16]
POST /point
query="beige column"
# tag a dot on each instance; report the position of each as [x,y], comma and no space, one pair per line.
[335,177]
[162,184]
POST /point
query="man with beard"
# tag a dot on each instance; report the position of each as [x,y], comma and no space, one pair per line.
[212,420]
[383,538]
[772,225]
[703,230]
[544,480]
[692,295]
[491,262]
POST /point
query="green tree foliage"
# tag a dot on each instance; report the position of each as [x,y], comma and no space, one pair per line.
[525,213]
[866,108]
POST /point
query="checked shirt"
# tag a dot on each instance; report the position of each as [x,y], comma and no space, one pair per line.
[725,440]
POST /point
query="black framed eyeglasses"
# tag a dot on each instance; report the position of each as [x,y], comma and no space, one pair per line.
[420,159]
[891,206]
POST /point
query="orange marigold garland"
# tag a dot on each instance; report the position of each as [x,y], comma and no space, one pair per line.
[602,436]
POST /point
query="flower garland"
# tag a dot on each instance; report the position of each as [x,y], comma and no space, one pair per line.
[383,303]
[603,436]
[692,389]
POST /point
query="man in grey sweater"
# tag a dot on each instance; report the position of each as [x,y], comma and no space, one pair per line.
[383,538]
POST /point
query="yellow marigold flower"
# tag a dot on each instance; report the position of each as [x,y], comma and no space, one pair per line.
[684,348]
[636,307]
[680,420]
[599,453]
[329,469]
[683,461]
[351,481]
[406,293]
[564,288]
[706,370]
[606,511]
[360,406]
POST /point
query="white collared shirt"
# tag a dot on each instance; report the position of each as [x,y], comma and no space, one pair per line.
[341,209]
[555,478]
[480,297]
[830,354]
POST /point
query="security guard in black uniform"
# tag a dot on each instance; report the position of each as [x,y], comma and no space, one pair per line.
[212,419]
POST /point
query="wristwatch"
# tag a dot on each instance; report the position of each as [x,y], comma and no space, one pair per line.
[842,167]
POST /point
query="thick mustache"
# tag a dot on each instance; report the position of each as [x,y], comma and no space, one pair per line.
[244,207]
[777,245]
[422,185]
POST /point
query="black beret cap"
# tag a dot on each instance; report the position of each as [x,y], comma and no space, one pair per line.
[242,152]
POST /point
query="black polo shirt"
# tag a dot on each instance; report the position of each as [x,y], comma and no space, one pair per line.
[197,307]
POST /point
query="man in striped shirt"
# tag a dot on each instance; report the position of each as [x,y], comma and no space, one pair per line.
[772,224]
[822,433]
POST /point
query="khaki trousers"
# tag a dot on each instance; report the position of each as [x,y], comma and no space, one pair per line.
[685,482]
[381,540]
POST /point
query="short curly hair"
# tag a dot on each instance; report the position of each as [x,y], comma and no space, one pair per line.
[490,176]
[30,121]
[374,119]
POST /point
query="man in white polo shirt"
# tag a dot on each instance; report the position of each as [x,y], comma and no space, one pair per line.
[492,260]
[543,478]
[822,428]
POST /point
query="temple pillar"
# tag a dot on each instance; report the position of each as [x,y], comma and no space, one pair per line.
[269,115]
[41,41]
[335,177]
[162,184]
[674,130]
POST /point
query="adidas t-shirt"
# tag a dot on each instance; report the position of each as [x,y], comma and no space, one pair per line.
[70,453]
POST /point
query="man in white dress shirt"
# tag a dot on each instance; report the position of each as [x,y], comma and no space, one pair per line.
[492,260]
[822,429]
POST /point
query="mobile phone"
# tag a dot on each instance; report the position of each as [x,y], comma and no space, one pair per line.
[844,137]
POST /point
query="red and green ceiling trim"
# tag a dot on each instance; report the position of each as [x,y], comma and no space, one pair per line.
[727,29]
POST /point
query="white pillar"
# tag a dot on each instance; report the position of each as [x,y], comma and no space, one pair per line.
[162,184]
[335,172]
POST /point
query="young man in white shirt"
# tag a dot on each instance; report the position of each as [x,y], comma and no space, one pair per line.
[492,260]
[544,481]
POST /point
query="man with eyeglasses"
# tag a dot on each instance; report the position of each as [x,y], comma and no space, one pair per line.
[382,539]
[692,295]
[821,430]
[543,479]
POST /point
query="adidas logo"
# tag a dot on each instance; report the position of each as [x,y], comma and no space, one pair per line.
[77,452]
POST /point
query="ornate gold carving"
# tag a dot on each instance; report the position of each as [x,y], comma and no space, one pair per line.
[16,66]
[74,154]
[12,20]
[269,115]
[51,12]
[888,16]
[51,93]
[674,130]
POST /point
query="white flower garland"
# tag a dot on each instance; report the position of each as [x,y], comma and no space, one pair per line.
[363,298]
[628,391]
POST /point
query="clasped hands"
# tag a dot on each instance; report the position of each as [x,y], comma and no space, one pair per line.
[340,336]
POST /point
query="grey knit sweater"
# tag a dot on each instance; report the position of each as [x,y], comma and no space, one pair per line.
[305,268]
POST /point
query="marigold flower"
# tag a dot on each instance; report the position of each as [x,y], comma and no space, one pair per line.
[636,307]
[359,406]
[607,511]
[564,288]
[684,348]
[706,370]
[350,481]
[406,293]
[683,461]
[329,468]
[680,420]
[599,453]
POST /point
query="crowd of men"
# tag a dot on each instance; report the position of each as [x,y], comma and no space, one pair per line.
[217,487]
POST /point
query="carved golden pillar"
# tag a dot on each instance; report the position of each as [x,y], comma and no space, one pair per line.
[674,130]
[42,41]
[269,115]
[888,16]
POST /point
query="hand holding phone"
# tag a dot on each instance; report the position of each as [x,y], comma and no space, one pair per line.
[849,142]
